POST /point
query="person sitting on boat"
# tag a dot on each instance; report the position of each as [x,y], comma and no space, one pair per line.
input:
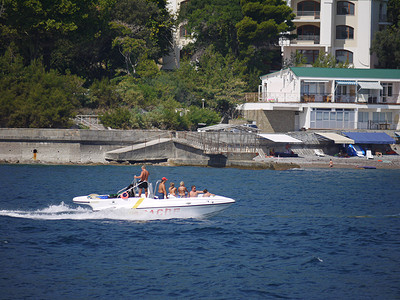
[162,190]
[194,193]
[207,193]
[144,176]
[172,189]
[182,190]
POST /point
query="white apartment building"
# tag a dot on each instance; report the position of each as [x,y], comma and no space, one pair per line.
[180,37]
[344,29]
[326,98]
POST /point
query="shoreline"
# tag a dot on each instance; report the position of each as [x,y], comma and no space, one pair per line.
[274,163]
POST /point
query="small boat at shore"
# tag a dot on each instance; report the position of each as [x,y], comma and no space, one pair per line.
[154,208]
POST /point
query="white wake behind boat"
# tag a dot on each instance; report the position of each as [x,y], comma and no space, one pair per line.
[152,207]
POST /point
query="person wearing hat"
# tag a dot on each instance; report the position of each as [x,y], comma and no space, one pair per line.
[162,191]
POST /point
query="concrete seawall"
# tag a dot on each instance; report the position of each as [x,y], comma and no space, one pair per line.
[26,145]
[74,146]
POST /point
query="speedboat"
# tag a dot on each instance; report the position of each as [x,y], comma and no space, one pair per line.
[152,207]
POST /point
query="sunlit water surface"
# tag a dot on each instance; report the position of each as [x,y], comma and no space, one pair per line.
[300,234]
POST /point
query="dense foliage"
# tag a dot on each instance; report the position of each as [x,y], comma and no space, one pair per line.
[386,43]
[62,57]
[247,29]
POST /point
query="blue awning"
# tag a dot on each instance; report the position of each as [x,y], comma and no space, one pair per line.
[346,82]
[370,137]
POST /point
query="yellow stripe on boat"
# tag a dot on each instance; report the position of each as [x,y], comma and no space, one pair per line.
[138,203]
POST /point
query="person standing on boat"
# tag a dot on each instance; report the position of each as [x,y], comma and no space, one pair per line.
[194,193]
[182,190]
[162,190]
[143,184]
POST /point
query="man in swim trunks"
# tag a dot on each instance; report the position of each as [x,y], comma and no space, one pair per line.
[194,193]
[162,191]
[144,176]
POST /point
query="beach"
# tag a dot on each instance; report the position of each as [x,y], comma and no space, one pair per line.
[384,162]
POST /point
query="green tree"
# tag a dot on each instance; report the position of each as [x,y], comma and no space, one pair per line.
[212,22]
[386,46]
[248,30]
[327,60]
[386,43]
[143,31]
[33,97]
[119,118]
[103,94]
[198,115]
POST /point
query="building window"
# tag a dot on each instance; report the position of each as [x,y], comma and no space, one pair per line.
[332,119]
[310,55]
[387,91]
[344,32]
[341,90]
[308,32]
[344,56]
[345,8]
[308,8]
[382,117]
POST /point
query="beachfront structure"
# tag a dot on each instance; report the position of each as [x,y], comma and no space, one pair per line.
[344,29]
[326,98]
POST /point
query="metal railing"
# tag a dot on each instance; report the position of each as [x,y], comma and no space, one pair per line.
[326,97]
[91,121]
[222,142]
[308,37]
[302,13]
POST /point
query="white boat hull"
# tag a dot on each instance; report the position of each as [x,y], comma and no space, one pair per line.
[172,207]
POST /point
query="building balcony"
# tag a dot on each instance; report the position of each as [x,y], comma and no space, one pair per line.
[314,39]
[271,97]
[307,15]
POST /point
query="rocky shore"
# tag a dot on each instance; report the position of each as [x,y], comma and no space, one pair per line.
[274,163]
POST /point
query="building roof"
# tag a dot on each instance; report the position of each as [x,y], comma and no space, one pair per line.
[228,127]
[370,137]
[346,73]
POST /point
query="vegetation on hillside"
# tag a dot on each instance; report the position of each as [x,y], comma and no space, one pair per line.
[386,43]
[62,57]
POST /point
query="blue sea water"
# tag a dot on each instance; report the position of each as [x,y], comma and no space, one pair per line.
[299,234]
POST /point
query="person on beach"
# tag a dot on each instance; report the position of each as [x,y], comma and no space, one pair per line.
[194,193]
[182,190]
[162,190]
[172,189]
[207,193]
[330,163]
[143,178]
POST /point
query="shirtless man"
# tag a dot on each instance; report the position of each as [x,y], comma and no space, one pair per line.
[182,190]
[207,193]
[194,193]
[172,189]
[162,191]
[144,176]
